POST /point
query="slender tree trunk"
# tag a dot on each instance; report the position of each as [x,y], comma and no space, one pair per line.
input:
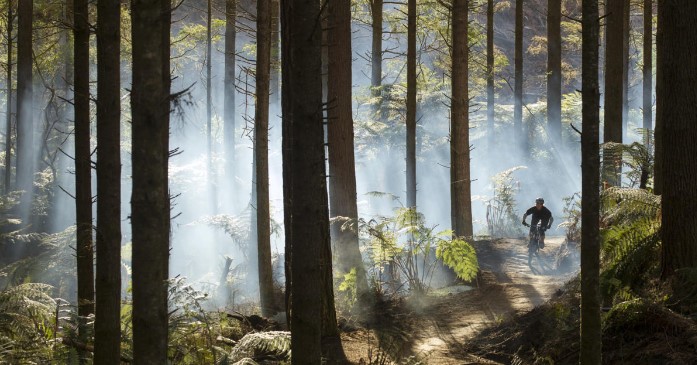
[460,183]
[676,99]
[8,124]
[275,83]
[490,98]
[107,326]
[554,70]
[625,66]
[229,93]
[411,104]
[83,163]
[25,105]
[614,71]
[376,57]
[209,108]
[520,134]
[261,126]
[591,331]
[647,70]
[150,206]
[342,165]
[658,128]
[308,221]
[287,25]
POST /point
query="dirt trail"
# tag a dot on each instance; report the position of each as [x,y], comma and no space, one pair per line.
[437,328]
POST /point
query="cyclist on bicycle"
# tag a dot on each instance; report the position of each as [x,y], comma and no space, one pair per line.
[539,213]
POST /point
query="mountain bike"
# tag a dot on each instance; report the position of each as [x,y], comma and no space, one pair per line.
[534,244]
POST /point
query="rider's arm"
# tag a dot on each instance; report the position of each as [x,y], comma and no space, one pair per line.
[525,215]
[551,219]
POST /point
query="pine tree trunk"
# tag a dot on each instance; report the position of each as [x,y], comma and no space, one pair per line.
[490,97]
[614,71]
[460,183]
[307,222]
[626,24]
[229,94]
[376,57]
[676,99]
[25,105]
[591,331]
[209,109]
[150,206]
[520,135]
[107,326]
[275,83]
[554,71]
[658,128]
[261,126]
[83,163]
[8,124]
[411,104]
[647,71]
[342,165]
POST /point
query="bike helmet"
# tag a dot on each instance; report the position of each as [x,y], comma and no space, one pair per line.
[539,200]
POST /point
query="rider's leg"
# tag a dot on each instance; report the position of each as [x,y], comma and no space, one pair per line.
[542,239]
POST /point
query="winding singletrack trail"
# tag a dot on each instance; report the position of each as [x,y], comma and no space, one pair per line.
[437,328]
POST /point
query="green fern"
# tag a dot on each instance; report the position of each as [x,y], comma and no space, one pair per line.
[460,256]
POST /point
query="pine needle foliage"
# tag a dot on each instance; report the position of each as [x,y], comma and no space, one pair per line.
[631,241]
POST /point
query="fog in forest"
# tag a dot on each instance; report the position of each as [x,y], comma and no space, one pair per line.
[199,247]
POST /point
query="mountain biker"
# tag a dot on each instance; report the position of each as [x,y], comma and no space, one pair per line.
[539,213]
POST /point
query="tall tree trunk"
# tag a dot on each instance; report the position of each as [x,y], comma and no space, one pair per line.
[275,83]
[554,70]
[209,108]
[520,135]
[342,165]
[626,23]
[25,104]
[261,126]
[658,128]
[591,332]
[150,206]
[676,99]
[490,98]
[287,25]
[411,104]
[83,163]
[647,71]
[614,71]
[229,93]
[8,124]
[308,220]
[376,57]
[107,326]
[460,183]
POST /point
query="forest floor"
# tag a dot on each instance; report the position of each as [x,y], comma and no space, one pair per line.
[435,330]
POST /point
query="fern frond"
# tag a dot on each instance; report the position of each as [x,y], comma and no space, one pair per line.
[273,345]
[459,256]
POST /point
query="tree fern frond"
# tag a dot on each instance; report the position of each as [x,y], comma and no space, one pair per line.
[625,205]
[274,345]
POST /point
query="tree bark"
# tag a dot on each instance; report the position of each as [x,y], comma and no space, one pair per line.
[520,135]
[676,107]
[490,97]
[591,331]
[261,125]
[209,108]
[107,326]
[411,104]
[275,81]
[150,205]
[83,162]
[658,128]
[376,57]
[342,165]
[229,93]
[8,124]
[460,183]
[614,76]
[626,25]
[554,71]
[304,165]
[25,105]
[647,71]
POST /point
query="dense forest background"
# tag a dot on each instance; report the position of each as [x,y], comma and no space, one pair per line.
[178,174]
